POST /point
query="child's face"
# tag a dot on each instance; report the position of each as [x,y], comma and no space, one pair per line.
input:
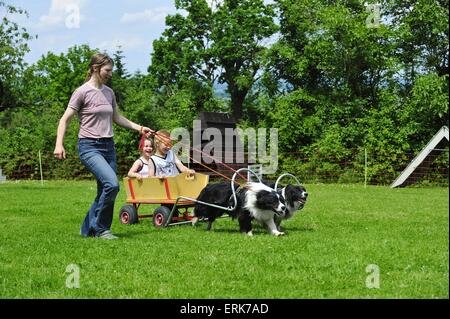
[148,148]
[164,144]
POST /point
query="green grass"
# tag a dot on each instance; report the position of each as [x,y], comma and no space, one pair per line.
[328,246]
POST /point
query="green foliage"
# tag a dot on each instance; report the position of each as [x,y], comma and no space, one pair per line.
[364,94]
[427,107]
[292,116]
[209,46]
[13,47]
[49,84]
[423,35]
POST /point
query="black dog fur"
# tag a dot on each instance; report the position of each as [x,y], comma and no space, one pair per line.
[217,194]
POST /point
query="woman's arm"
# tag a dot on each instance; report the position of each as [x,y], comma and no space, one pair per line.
[124,122]
[59,151]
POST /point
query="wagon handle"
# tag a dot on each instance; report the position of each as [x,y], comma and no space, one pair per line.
[283,175]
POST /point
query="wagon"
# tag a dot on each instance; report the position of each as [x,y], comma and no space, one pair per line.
[174,194]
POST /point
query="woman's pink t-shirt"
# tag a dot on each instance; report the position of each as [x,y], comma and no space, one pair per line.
[95,110]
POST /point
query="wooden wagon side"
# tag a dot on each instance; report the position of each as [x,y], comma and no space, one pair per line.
[154,190]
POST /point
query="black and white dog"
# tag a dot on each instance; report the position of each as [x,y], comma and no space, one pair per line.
[254,201]
[260,202]
[295,198]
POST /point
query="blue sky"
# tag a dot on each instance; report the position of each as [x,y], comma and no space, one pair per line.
[103,24]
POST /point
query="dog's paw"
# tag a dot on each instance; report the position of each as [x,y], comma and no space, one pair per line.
[250,234]
[194,221]
[278,233]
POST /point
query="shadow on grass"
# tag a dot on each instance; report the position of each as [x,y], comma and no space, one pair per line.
[258,230]
[218,230]
[300,229]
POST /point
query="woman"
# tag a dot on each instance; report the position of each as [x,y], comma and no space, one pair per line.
[95,104]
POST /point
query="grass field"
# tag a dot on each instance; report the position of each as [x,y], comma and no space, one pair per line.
[329,245]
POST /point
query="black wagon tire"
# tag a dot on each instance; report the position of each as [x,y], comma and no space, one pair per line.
[128,215]
[161,216]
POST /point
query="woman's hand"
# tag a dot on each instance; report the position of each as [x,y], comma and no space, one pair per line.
[147,131]
[59,152]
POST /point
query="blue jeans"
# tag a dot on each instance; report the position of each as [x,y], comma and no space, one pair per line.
[99,157]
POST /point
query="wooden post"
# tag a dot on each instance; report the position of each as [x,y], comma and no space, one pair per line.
[365,167]
[40,168]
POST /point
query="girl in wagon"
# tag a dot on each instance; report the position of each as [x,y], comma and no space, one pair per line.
[143,166]
[164,161]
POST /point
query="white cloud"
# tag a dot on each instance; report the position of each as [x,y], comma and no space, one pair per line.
[61,12]
[149,15]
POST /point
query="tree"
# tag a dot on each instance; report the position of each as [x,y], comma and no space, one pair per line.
[13,46]
[119,66]
[49,84]
[120,76]
[345,85]
[423,36]
[209,45]
[328,66]
[327,48]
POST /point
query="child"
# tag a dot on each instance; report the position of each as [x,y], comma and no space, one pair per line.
[164,160]
[143,166]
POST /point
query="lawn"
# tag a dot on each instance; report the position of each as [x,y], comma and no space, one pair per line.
[330,251]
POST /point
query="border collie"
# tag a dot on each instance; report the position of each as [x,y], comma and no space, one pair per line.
[254,201]
[260,202]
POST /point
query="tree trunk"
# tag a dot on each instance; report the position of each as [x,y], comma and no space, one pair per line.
[237,101]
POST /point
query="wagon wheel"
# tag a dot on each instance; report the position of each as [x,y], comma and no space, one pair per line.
[128,215]
[161,216]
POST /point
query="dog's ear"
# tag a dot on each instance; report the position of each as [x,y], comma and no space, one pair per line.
[292,188]
[289,187]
